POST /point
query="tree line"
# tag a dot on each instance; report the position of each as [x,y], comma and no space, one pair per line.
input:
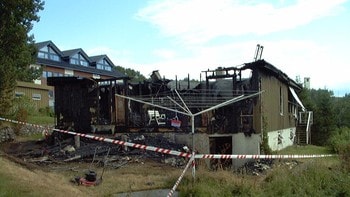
[330,113]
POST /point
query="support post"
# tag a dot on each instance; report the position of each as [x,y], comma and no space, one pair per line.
[77,141]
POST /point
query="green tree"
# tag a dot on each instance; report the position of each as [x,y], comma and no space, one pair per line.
[17,50]
[324,115]
[135,76]
[342,108]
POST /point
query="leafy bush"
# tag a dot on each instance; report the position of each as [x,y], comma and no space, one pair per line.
[21,108]
[340,139]
[340,143]
[21,104]
[46,111]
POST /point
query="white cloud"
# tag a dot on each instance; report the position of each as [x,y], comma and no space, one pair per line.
[323,64]
[164,53]
[199,21]
[293,57]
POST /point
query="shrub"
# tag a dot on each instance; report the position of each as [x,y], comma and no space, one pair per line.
[340,139]
[309,179]
[22,104]
[47,111]
[22,107]
[340,143]
[22,116]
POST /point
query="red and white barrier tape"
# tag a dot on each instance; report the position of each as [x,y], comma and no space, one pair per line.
[215,156]
[180,178]
[24,123]
[129,144]
[177,153]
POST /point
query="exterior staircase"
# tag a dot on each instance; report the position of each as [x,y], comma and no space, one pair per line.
[303,130]
[301,135]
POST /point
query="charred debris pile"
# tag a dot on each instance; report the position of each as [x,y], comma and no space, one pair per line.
[60,148]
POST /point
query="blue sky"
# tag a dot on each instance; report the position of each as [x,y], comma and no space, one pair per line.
[306,38]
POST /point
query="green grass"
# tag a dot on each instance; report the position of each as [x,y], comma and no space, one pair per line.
[41,120]
[9,187]
[31,137]
[302,150]
[312,178]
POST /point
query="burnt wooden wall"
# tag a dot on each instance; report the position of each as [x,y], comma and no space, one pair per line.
[269,105]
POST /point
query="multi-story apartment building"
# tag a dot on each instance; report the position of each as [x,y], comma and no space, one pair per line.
[56,63]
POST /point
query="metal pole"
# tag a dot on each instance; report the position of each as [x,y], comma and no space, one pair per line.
[193,149]
[154,105]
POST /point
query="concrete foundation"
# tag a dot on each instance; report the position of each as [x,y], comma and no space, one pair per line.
[242,145]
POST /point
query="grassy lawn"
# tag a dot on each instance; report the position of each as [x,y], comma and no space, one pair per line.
[41,120]
[302,150]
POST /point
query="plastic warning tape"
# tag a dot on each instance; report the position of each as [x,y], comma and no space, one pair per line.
[171,192]
[113,141]
[217,156]
[24,123]
[129,144]
[176,153]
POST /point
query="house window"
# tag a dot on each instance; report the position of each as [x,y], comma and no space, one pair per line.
[36,97]
[96,76]
[103,65]
[47,74]
[48,52]
[68,72]
[78,59]
[281,101]
[19,94]
[51,94]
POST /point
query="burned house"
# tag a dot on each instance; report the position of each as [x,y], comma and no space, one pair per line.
[227,113]
[267,105]
[88,105]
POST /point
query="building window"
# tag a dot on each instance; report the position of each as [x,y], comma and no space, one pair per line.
[36,97]
[68,72]
[51,94]
[19,94]
[281,101]
[51,74]
[48,52]
[96,76]
[78,59]
[103,65]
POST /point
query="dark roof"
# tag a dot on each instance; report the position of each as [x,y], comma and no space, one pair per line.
[266,67]
[97,58]
[70,53]
[66,65]
[88,69]
[40,45]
